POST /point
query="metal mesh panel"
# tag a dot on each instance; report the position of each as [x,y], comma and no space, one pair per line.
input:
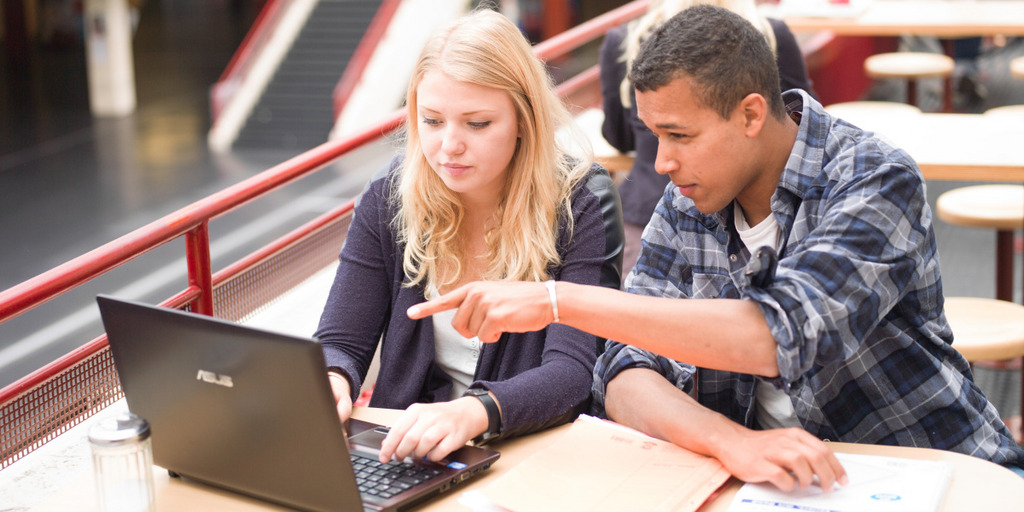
[46,411]
[252,291]
[90,384]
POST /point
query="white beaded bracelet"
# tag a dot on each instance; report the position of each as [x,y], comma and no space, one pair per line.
[554,298]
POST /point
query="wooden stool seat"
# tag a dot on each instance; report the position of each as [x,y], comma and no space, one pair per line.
[999,207]
[908,65]
[912,66]
[852,109]
[1007,110]
[986,329]
[1017,67]
[862,113]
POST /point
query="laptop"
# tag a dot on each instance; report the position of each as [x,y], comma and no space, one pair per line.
[252,411]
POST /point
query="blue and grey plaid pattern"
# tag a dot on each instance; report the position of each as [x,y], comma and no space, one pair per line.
[855,306]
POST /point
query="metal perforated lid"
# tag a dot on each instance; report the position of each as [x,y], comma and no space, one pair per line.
[121,428]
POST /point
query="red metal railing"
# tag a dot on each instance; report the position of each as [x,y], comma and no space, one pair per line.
[193,220]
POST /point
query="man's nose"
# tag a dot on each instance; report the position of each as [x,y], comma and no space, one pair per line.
[664,162]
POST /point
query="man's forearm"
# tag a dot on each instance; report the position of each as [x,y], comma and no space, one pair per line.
[723,334]
[642,399]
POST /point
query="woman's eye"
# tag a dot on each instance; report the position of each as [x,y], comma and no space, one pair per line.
[479,124]
[430,122]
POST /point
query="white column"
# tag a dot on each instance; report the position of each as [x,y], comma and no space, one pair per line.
[108,42]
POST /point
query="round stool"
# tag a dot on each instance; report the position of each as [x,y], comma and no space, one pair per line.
[1017,67]
[853,108]
[1007,110]
[912,66]
[999,207]
[854,111]
[987,330]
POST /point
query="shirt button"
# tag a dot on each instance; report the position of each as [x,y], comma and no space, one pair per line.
[732,258]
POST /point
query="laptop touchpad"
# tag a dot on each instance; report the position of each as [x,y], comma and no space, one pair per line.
[371,438]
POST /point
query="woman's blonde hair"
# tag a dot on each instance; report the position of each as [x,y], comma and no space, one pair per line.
[659,11]
[485,48]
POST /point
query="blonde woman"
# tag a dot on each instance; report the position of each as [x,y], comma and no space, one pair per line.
[484,191]
[624,130]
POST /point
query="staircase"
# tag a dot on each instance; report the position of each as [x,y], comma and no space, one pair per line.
[296,109]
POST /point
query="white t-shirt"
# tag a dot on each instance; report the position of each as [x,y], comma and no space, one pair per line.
[773,406]
[455,354]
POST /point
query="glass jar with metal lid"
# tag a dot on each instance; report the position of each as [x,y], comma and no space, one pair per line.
[122,457]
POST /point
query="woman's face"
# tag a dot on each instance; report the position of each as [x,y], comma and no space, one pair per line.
[468,134]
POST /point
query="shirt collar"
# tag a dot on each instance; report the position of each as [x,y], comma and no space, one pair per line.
[807,154]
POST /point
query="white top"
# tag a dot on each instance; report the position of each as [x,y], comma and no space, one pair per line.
[455,354]
[774,408]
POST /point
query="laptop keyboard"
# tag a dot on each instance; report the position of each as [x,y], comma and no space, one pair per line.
[386,480]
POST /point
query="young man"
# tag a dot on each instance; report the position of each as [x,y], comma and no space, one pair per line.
[791,271]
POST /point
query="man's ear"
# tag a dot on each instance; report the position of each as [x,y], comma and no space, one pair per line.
[754,110]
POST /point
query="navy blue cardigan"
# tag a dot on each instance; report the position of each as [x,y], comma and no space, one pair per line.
[540,378]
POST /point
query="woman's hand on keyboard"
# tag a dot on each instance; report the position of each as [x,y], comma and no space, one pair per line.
[432,431]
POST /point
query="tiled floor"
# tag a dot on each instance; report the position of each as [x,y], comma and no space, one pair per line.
[70,180]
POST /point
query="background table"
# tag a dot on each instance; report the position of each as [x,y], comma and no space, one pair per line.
[958,18]
[968,147]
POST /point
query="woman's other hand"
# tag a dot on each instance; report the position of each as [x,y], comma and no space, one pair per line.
[342,395]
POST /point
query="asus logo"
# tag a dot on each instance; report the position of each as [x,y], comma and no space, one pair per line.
[213,378]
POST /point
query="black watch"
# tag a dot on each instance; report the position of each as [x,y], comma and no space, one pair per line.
[493,414]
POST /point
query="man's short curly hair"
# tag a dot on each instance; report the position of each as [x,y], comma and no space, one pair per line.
[722,55]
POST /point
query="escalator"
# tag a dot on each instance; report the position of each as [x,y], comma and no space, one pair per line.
[295,110]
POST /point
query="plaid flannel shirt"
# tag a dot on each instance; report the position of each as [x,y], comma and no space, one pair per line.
[855,306]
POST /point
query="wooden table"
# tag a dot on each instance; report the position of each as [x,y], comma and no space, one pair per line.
[946,19]
[967,147]
[976,485]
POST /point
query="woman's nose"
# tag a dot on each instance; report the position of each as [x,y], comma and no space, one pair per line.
[452,143]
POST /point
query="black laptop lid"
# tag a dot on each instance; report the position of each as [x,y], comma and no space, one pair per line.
[214,392]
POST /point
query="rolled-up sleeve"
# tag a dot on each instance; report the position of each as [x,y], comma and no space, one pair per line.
[618,357]
[850,269]
[661,271]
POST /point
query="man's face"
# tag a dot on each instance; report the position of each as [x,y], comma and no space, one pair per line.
[706,156]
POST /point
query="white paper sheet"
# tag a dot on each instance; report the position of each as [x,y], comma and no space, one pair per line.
[877,483]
